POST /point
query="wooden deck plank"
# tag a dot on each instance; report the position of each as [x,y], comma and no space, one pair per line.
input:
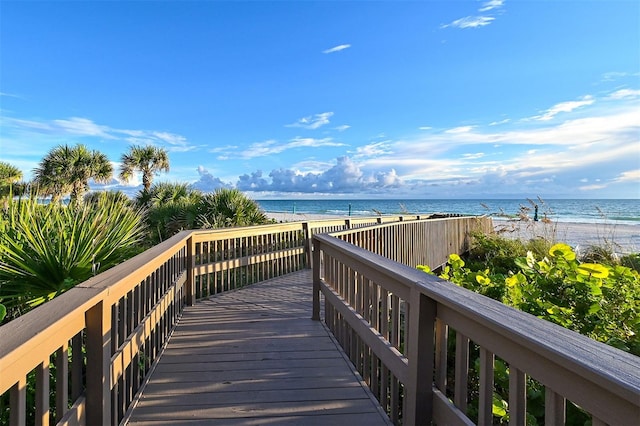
[253,356]
[324,420]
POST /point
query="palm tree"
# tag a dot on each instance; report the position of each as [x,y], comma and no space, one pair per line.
[148,159]
[67,170]
[9,176]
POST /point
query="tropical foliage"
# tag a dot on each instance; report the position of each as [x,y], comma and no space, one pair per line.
[47,249]
[9,176]
[595,299]
[172,207]
[67,170]
[149,160]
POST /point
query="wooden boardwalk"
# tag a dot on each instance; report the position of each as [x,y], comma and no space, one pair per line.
[254,357]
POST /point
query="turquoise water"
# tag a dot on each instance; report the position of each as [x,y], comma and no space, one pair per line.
[585,211]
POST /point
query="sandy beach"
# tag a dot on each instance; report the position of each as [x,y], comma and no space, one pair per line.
[622,238]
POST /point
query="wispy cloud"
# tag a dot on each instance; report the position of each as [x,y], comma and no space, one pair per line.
[477,21]
[10,95]
[84,127]
[564,107]
[624,94]
[617,75]
[337,48]
[470,22]
[458,130]
[312,122]
[374,149]
[491,4]
[271,146]
[629,176]
[343,127]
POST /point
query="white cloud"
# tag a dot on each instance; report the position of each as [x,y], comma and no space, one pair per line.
[312,122]
[470,22]
[271,147]
[629,176]
[345,176]
[624,94]
[374,149]
[490,5]
[592,187]
[564,107]
[343,127]
[425,128]
[473,156]
[208,182]
[83,127]
[461,129]
[337,48]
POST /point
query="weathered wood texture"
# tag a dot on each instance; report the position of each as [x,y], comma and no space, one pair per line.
[253,356]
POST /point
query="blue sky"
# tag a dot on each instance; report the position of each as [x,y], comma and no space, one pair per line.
[360,99]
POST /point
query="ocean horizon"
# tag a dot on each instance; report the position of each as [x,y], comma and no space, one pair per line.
[614,211]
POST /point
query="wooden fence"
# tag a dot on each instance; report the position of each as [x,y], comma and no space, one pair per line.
[395,323]
[100,339]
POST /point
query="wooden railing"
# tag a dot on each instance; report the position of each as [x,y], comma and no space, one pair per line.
[394,323]
[100,340]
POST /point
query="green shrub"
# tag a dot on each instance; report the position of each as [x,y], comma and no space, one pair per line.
[47,249]
[598,300]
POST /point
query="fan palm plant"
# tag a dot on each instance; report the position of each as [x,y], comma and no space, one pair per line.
[9,176]
[68,169]
[229,207]
[47,249]
[149,160]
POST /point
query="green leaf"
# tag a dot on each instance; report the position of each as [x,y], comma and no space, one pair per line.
[594,270]
[499,406]
[594,308]
[424,268]
[3,311]
[562,250]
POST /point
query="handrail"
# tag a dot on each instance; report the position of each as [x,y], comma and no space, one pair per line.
[393,321]
[107,332]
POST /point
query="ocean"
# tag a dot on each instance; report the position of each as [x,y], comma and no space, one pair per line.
[582,211]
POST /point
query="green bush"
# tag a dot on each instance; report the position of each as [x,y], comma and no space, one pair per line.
[598,300]
[47,249]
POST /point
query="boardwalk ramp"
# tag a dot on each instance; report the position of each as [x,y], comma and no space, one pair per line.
[254,357]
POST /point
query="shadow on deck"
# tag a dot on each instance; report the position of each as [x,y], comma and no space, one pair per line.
[254,356]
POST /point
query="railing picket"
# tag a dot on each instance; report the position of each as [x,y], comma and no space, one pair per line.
[77,365]
[62,381]
[485,404]
[18,403]
[42,394]
[461,372]
[442,338]
[517,397]
[554,407]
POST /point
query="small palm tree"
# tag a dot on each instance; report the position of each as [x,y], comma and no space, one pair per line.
[68,169]
[149,160]
[9,176]
[228,208]
[9,173]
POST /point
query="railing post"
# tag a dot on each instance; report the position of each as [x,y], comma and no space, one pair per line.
[315,314]
[191,273]
[308,245]
[421,354]
[98,392]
